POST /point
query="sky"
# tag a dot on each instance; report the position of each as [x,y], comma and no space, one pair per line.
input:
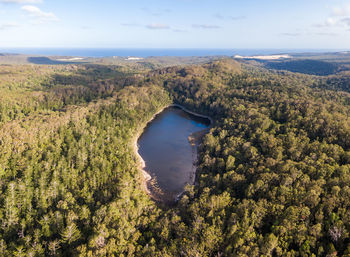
[262,24]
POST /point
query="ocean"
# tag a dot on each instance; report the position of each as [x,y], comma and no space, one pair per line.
[124,52]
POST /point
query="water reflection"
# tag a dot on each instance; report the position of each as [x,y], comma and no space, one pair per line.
[166,149]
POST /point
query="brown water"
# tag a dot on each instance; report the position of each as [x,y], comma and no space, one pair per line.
[166,149]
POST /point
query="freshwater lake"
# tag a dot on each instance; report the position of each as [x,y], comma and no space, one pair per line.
[168,152]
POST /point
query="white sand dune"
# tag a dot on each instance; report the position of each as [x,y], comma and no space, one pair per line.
[71,59]
[133,58]
[264,57]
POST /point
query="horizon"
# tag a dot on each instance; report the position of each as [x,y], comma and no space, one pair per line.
[180,24]
[158,52]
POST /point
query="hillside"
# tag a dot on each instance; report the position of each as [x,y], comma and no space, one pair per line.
[273,172]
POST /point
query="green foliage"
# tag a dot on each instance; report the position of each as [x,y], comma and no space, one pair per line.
[312,67]
[70,234]
[273,172]
[278,152]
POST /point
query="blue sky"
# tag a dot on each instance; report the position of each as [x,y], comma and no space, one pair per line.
[306,24]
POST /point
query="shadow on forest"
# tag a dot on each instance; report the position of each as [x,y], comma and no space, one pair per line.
[47,61]
[311,67]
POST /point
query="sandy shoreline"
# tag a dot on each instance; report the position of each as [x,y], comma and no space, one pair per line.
[193,113]
[141,162]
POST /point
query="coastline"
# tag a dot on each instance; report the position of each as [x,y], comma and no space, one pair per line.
[146,177]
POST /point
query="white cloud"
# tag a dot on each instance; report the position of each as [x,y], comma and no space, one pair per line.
[346,21]
[22,1]
[341,11]
[179,30]
[157,26]
[219,16]
[330,22]
[38,14]
[233,18]
[8,25]
[205,26]
[326,34]
[339,17]
[130,24]
[290,34]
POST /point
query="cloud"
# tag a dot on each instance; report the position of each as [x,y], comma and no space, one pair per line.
[346,21]
[337,19]
[330,22]
[290,34]
[341,11]
[130,25]
[234,18]
[325,34]
[38,14]
[339,16]
[8,25]
[219,16]
[205,26]
[308,33]
[156,26]
[21,1]
[179,30]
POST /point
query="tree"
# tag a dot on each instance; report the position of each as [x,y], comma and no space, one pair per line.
[70,234]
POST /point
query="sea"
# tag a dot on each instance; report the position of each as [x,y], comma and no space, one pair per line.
[150,52]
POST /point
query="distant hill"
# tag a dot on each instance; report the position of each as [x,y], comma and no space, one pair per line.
[312,67]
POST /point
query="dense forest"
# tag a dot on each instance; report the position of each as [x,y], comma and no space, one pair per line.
[313,67]
[273,176]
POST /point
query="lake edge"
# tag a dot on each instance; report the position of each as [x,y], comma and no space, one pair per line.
[148,180]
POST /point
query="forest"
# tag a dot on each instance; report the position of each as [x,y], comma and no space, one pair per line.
[273,173]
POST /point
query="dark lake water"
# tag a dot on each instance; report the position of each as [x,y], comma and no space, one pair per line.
[167,151]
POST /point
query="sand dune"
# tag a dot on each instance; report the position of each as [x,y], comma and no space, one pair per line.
[264,57]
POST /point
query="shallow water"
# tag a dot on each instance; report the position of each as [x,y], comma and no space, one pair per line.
[166,149]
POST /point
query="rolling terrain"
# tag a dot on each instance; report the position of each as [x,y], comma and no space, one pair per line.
[272,177]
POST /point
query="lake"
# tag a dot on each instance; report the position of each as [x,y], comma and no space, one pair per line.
[167,151]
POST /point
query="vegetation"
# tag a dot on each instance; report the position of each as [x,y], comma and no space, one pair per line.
[273,173]
[312,67]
